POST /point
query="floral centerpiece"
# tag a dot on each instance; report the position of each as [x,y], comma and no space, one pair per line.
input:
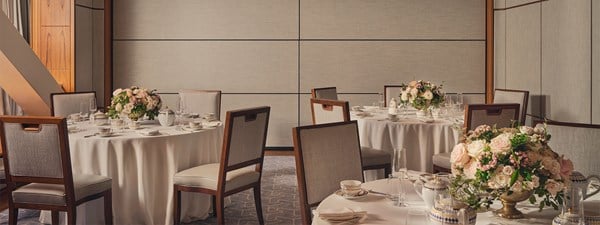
[134,102]
[422,94]
[494,163]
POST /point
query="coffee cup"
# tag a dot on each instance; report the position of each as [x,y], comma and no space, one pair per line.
[393,117]
[210,116]
[104,131]
[75,117]
[195,124]
[350,187]
[134,125]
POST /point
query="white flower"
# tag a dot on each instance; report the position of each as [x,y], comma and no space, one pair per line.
[517,186]
[470,169]
[119,107]
[476,147]
[501,143]
[502,180]
[551,165]
[414,92]
[118,91]
[508,170]
[404,96]
[526,130]
[553,186]
[428,95]
[459,156]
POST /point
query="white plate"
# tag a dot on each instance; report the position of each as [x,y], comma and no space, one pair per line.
[149,132]
[188,128]
[363,193]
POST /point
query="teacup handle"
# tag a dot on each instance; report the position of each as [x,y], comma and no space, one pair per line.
[589,178]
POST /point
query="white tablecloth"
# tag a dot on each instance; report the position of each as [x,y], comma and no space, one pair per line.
[421,139]
[380,210]
[142,169]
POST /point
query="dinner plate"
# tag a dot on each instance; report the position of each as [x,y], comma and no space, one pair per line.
[363,193]
[188,128]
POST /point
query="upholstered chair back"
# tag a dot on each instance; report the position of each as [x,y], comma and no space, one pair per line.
[325,155]
[391,91]
[513,96]
[201,101]
[325,93]
[329,111]
[245,135]
[500,115]
[65,104]
[35,148]
[579,143]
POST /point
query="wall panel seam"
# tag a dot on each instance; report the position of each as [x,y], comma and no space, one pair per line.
[290,40]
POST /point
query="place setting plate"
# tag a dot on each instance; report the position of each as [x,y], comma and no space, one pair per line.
[361,194]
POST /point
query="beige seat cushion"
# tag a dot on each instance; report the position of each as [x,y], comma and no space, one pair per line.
[371,157]
[442,160]
[207,176]
[54,194]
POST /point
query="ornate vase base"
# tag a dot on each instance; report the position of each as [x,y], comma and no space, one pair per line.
[509,213]
[509,202]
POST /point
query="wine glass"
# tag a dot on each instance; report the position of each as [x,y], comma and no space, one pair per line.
[93,107]
[399,161]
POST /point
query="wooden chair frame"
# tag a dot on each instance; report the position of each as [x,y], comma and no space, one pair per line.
[14,181]
[207,91]
[314,91]
[219,195]
[69,93]
[385,88]
[491,109]
[300,171]
[525,102]
[328,105]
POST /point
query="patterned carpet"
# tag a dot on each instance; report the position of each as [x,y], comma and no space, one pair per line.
[279,199]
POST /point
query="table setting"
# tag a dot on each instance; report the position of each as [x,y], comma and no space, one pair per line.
[505,176]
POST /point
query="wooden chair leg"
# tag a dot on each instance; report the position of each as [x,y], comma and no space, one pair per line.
[176,205]
[13,214]
[258,204]
[55,216]
[108,213]
[220,209]
[387,170]
[214,205]
[72,215]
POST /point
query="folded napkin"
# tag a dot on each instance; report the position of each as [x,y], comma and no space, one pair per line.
[213,123]
[363,114]
[341,214]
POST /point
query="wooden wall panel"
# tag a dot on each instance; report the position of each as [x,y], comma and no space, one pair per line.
[55,12]
[55,48]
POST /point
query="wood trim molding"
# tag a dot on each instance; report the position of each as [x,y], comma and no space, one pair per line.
[489,51]
[108,51]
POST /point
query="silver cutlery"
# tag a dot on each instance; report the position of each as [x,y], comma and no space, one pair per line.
[90,135]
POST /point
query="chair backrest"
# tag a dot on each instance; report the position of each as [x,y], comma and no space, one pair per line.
[391,91]
[201,101]
[325,155]
[36,150]
[500,115]
[65,104]
[329,111]
[513,96]
[578,142]
[244,139]
[324,93]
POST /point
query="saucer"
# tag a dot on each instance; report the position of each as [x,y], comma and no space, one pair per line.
[149,132]
[106,134]
[363,193]
[188,128]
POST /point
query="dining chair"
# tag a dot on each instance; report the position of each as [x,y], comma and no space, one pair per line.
[499,115]
[38,170]
[201,101]
[65,104]
[324,93]
[240,167]
[577,142]
[391,91]
[331,111]
[325,155]
[513,96]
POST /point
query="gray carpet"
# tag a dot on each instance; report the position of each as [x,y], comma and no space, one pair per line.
[279,199]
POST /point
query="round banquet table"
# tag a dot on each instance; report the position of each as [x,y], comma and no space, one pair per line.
[421,138]
[380,210]
[142,169]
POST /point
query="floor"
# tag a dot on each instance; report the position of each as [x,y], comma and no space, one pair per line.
[279,199]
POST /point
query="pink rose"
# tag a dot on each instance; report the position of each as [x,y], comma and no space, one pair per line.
[566,168]
[476,147]
[470,169]
[552,165]
[508,170]
[459,156]
[501,143]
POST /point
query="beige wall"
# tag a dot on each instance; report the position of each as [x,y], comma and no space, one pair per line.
[89,47]
[272,52]
[546,48]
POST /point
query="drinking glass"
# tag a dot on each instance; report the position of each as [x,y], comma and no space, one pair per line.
[460,102]
[399,160]
[573,211]
[416,217]
[93,107]
[381,101]
[83,108]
